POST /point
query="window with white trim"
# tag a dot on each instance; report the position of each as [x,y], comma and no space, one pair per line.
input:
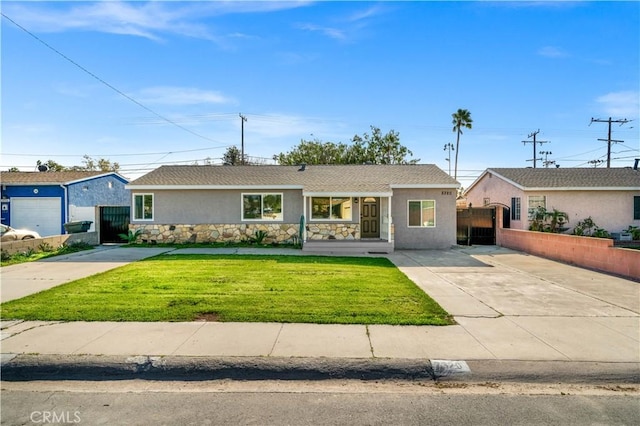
[421,213]
[142,206]
[515,208]
[536,201]
[331,208]
[267,206]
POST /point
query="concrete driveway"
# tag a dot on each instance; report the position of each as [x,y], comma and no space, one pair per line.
[17,281]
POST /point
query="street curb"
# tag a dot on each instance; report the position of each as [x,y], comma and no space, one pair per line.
[95,367]
[102,368]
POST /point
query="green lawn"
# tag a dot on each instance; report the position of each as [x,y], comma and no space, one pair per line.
[262,288]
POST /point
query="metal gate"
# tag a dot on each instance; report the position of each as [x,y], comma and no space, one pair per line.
[113,221]
[476,226]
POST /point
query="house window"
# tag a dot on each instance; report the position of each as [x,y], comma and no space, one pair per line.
[636,208]
[536,201]
[422,213]
[486,201]
[143,207]
[331,208]
[262,207]
[515,208]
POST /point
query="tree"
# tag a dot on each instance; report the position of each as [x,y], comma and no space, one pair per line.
[380,149]
[374,148]
[461,118]
[90,165]
[313,152]
[232,156]
[51,166]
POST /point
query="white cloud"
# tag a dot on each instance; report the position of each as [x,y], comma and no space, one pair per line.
[169,95]
[552,52]
[346,27]
[330,32]
[622,104]
[141,19]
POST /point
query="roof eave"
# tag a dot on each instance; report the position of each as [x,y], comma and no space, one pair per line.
[583,188]
[425,186]
[346,194]
[194,187]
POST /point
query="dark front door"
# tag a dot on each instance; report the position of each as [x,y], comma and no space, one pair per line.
[113,222]
[370,217]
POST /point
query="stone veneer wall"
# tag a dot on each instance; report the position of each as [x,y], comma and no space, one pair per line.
[333,231]
[232,232]
[210,233]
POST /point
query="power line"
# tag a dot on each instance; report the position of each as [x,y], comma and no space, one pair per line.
[110,86]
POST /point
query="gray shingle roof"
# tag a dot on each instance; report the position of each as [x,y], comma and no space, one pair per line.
[321,178]
[578,178]
[45,178]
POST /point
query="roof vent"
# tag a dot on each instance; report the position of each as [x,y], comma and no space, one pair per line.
[303,167]
[635,164]
[42,168]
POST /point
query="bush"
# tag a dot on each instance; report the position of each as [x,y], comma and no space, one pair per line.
[131,237]
[588,228]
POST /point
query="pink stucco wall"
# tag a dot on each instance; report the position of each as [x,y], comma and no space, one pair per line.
[593,253]
[611,209]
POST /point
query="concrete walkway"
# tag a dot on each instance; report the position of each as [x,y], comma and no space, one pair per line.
[507,305]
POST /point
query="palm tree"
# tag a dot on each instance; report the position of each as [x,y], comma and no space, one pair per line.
[461,118]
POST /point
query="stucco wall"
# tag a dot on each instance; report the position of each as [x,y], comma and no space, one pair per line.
[213,206]
[588,252]
[104,191]
[442,236]
[611,210]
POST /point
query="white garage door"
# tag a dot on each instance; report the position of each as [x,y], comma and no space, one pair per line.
[37,214]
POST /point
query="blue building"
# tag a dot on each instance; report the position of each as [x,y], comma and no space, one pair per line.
[45,201]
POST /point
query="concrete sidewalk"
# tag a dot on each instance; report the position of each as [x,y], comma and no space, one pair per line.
[508,306]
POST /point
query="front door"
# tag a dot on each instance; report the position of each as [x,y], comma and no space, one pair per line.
[370,217]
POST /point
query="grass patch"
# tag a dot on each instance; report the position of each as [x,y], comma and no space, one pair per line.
[44,251]
[264,288]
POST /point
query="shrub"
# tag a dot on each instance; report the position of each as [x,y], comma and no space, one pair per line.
[634,231]
[548,221]
[588,228]
[259,237]
[45,247]
[131,237]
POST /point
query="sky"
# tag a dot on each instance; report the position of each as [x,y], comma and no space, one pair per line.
[145,84]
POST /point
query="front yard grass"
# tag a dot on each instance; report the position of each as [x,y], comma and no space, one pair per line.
[258,288]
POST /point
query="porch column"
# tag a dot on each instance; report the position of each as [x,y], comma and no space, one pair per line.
[391,236]
[304,213]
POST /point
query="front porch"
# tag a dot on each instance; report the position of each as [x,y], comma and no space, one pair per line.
[365,246]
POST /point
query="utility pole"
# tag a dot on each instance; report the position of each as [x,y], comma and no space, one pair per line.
[242,120]
[609,141]
[546,162]
[449,147]
[534,142]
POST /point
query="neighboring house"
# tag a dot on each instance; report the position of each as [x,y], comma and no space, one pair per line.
[611,197]
[378,206]
[44,201]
